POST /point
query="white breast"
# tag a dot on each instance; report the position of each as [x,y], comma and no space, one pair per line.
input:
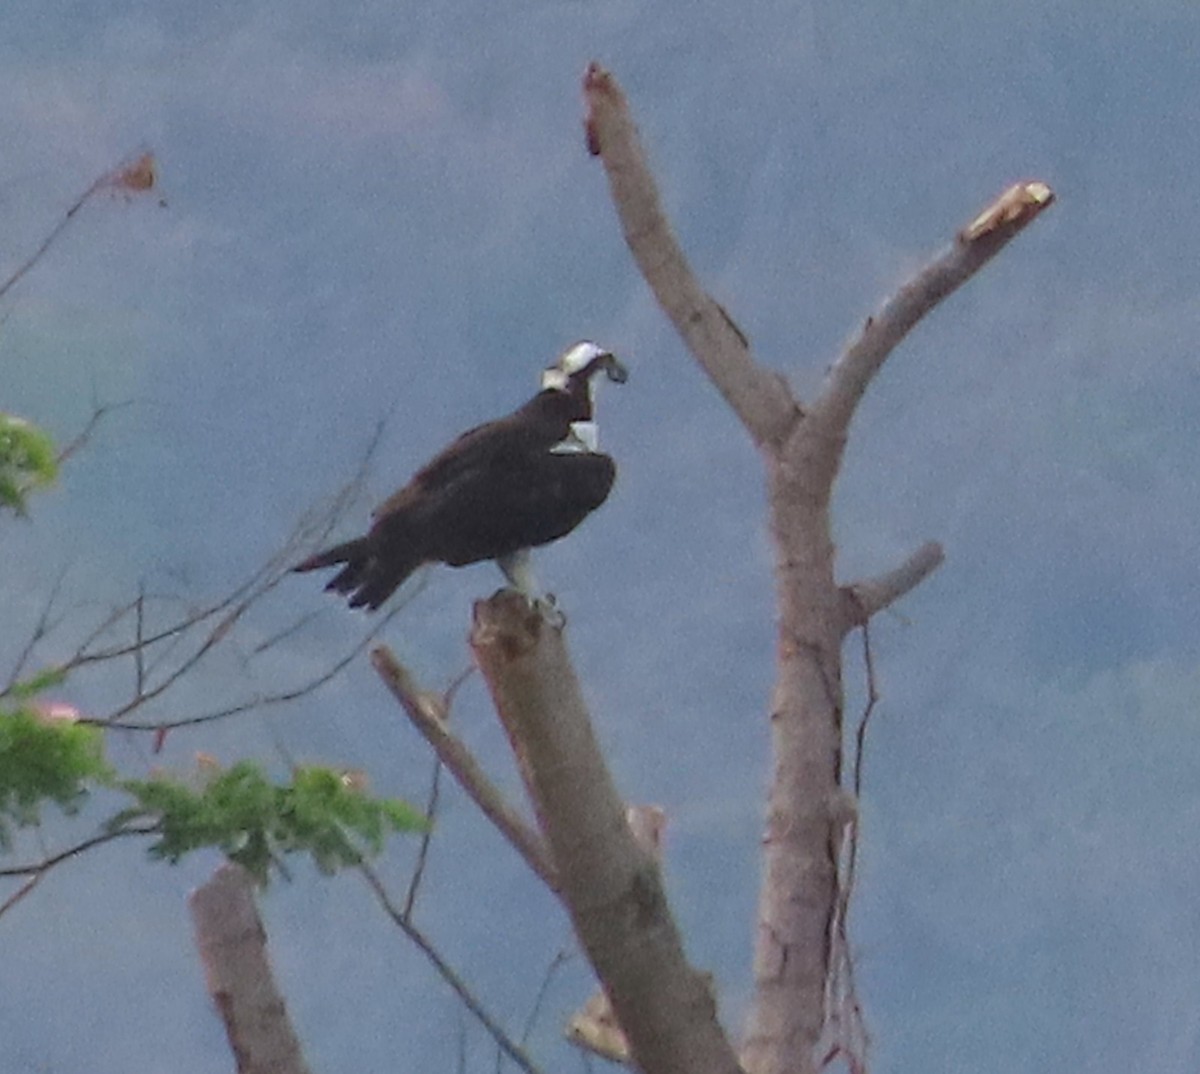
[583,437]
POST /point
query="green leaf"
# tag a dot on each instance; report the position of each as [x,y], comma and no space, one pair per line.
[45,760]
[28,460]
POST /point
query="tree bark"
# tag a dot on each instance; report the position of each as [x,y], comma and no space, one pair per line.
[233,947]
[803,829]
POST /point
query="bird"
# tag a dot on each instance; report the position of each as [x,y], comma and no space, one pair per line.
[497,491]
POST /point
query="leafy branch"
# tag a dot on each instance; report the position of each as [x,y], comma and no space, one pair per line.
[256,823]
[48,758]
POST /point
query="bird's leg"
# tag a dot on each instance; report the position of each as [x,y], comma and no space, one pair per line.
[518,569]
[519,572]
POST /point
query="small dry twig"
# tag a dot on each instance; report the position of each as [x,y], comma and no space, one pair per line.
[510,1047]
[132,177]
[428,715]
[35,871]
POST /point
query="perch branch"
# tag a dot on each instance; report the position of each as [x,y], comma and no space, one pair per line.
[610,885]
[759,398]
[427,716]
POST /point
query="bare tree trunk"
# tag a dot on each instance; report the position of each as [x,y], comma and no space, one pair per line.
[803,830]
[233,948]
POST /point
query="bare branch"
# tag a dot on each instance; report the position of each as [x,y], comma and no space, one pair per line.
[845,1025]
[41,629]
[255,701]
[760,398]
[21,892]
[611,886]
[513,1050]
[99,411]
[556,963]
[427,713]
[418,874]
[973,247]
[130,632]
[868,597]
[36,871]
[233,947]
[131,176]
[51,860]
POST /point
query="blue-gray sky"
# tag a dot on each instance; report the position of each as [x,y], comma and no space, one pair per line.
[386,211]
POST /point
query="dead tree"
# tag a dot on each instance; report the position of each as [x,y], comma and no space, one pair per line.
[803,1014]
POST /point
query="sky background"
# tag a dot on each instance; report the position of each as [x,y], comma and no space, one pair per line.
[385,212]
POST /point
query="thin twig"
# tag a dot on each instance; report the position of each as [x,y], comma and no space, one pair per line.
[57,230]
[35,871]
[287,632]
[860,737]
[426,711]
[461,1040]
[431,805]
[87,844]
[41,628]
[844,1013]
[511,1048]
[258,700]
[20,893]
[236,598]
[85,435]
[132,176]
[561,959]
[139,661]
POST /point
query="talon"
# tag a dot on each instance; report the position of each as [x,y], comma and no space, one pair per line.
[550,612]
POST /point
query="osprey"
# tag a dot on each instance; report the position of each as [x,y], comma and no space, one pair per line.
[497,491]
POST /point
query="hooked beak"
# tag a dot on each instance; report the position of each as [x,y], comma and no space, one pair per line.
[614,370]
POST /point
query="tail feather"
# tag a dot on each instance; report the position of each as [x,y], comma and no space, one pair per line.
[348,552]
[367,578]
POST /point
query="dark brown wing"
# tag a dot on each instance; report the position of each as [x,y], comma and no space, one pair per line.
[528,500]
[541,423]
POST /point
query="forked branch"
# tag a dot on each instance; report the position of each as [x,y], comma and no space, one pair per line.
[803,451]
